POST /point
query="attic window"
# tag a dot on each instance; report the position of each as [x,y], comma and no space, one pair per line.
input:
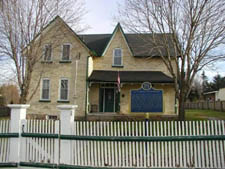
[117,57]
[47,52]
[66,52]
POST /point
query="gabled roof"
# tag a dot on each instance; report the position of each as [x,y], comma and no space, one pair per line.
[100,42]
[144,45]
[140,44]
[76,36]
[117,28]
[58,18]
[130,76]
[96,42]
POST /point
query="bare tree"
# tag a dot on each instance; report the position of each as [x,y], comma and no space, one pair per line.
[22,21]
[191,29]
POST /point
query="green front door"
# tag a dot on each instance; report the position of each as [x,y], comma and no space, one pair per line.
[109,99]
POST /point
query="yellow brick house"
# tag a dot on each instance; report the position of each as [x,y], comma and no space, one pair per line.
[109,76]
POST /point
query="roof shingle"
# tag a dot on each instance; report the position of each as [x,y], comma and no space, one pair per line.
[142,45]
[130,76]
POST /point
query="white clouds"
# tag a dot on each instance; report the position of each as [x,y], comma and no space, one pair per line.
[217,68]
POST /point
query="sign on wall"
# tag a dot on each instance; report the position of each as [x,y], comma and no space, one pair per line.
[146,99]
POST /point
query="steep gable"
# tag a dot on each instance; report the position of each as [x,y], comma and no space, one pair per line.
[117,30]
[58,22]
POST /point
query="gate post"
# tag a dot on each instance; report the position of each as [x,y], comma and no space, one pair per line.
[18,113]
[67,114]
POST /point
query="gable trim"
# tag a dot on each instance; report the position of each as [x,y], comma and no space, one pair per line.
[75,35]
[67,26]
[118,27]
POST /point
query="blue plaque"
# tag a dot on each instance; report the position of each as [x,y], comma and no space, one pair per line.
[143,100]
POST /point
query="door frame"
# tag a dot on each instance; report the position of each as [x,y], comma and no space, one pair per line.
[103,99]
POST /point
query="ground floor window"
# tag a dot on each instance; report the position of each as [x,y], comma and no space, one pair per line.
[45,89]
[64,89]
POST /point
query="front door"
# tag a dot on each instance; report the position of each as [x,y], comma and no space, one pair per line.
[109,100]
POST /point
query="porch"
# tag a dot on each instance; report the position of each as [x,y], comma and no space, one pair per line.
[107,101]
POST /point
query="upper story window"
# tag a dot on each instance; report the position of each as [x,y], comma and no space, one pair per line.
[45,89]
[48,52]
[66,52]
[64,89]
[117,57]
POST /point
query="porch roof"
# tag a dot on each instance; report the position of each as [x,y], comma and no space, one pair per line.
[130,76]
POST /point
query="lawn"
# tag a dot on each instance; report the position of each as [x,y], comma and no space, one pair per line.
[4,118]
[192,114]
[195,114]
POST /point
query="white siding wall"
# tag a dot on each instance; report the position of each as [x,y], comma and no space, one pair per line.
[221,94]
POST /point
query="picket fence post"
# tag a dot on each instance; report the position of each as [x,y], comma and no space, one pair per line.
[67,114]
[18,115]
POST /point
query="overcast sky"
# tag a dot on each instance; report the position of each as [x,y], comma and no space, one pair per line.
[100,15]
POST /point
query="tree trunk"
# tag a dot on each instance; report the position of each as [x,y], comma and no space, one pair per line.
[181,107]
[23,98]
[24,94]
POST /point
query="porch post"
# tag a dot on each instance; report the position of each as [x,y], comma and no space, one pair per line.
[18,116]
[67,114]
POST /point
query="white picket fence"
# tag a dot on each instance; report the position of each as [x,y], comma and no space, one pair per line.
[188,144]
[4,142]
[200,154]
[41,150]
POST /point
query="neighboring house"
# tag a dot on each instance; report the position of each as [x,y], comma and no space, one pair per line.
[221,94]
[215,95]
[86,69]
[210,96]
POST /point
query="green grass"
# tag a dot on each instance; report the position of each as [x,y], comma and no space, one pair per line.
[204,115]
[192,114]
[4,118]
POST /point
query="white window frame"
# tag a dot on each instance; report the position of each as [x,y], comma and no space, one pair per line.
[59,96]
[114,57]
[41,92]
[62,52]
[43,58]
